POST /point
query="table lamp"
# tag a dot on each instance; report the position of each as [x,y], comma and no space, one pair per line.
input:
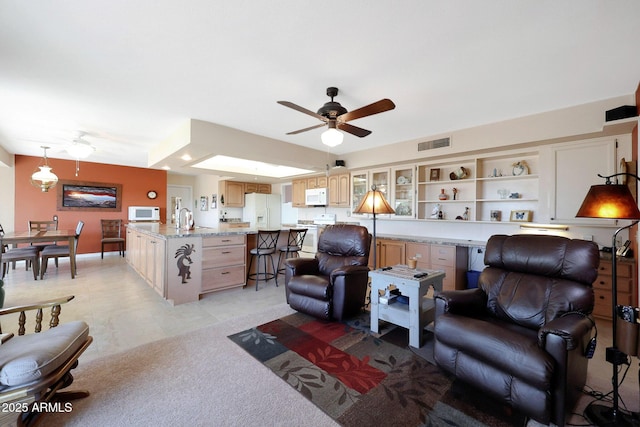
[374,203]
[613,201]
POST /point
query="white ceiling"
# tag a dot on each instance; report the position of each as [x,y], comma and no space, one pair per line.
[128,73]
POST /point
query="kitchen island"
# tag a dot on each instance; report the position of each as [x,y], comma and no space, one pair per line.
[180,265]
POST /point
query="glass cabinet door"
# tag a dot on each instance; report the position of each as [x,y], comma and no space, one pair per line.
[403,191]
[359,187]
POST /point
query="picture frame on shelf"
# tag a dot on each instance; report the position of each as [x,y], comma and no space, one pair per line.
[434,174]
[521,216]
[496,215]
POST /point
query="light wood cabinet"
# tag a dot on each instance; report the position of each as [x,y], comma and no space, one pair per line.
[421,252]
[453,260]
[223,262]
[390,252]
[297,193]
[339,190]
[256,187]
[231,194]
[147,255]
[317,182]
[602,287]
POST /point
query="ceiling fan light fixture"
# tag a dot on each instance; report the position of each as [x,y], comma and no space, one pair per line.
[80,149]
[43,178]
[332,137]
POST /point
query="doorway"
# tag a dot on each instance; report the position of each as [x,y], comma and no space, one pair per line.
[185,192]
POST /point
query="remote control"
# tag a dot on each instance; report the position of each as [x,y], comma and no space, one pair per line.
[591,348]
[385,268]
[419,275]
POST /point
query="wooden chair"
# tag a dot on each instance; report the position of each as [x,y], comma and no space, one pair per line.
[112,235]
[266,242]
[11,255]
[43,226]
[59,251]
[34,367]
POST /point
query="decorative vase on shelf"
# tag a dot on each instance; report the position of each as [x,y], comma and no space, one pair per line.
[442,195]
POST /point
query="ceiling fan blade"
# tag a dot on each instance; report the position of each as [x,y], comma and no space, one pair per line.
[302,110]
[368,110]
[306,129]
[353,130]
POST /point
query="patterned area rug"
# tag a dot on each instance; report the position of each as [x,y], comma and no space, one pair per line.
[359,378]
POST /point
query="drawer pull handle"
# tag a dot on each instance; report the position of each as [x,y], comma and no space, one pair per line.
[226,240]
[226,252]
[225,272]
[601,297]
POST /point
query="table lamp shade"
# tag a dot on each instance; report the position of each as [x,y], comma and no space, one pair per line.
[609,201]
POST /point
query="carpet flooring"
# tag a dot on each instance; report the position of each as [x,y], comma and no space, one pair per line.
[362,379]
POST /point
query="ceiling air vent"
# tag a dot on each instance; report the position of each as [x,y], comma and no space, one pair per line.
[436,143]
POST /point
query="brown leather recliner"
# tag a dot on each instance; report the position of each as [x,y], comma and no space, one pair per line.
[521,336]
[332,285]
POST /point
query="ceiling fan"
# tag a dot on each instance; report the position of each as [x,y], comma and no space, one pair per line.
[336,117]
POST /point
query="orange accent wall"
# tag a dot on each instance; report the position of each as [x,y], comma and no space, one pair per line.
[33,204]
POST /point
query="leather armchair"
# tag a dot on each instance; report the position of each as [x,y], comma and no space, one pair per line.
[521,336]
[332,285]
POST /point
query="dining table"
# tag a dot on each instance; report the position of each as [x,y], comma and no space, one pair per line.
[35,236]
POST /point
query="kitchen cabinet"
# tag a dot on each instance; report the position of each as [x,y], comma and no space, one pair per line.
[317,182]
[359,187]
[231,194]
[223,262]
[626,285]
[390,252]
[421,252]
[256,187]
[338,187]
[147,255]
[403,191]
[362,181]
[453,260]
[298,187]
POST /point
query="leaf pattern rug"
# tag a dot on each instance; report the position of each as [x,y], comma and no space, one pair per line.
[363,379]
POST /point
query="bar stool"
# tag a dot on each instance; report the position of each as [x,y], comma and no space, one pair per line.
[294,245]
[266,242]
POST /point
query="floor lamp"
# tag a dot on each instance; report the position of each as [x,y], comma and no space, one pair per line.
[374,203]
[613,201]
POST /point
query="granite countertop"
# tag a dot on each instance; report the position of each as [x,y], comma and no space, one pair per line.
[434,240]
[169,231]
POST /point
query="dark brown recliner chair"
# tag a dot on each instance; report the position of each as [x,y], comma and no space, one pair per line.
[332,285]
[521,336]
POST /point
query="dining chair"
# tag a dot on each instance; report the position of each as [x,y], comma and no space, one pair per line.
[43,226]
[27,254]
[112,235]
[59,251]
[266,242]
[294,245]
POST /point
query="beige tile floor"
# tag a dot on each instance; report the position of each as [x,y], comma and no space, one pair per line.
[124,312]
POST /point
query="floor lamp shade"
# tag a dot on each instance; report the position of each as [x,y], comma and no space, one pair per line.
[374,203]
[609,201]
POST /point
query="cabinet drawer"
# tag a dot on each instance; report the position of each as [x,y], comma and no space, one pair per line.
[442,255]
[623,269]
[233,239]
[625,284]
[217,257]
[602,306]
[219,278]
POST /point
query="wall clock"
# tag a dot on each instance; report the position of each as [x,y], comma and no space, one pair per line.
[152,194]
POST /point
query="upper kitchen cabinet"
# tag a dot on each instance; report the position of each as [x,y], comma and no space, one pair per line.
[572,169]
[317,182]
[257,187]
[338,186]
[298,187]
[231,194]
[362,181]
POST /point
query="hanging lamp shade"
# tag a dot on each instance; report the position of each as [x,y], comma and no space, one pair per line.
[43,178]
[374,202]
[612,201]
[332,137]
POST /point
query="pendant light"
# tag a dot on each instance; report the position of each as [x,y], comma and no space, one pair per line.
[80,149]
[43,178]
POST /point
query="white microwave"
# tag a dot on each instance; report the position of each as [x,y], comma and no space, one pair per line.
[144,213]
[315,197]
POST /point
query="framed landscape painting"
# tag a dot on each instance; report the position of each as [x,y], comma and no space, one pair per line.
[89,196]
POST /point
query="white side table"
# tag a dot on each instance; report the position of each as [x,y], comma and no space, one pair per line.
[412,316]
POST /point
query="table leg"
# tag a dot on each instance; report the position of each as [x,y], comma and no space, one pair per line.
[374,308]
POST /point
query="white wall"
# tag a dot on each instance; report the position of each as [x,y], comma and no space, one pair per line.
[7,197]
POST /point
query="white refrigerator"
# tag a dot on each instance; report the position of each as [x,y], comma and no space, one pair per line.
[262,210]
